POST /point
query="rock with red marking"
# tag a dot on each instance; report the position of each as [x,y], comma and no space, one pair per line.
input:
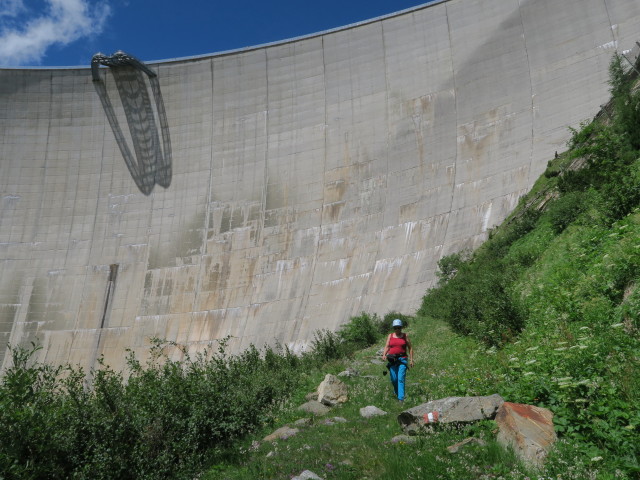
[527,429]
[449,410]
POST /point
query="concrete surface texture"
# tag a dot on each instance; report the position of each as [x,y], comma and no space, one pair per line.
[310,179]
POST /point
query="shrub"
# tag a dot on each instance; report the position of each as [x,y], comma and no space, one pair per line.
[449,265]
[361,331]
[165,421]
[476,302]
[385,324]
[565,210]
[326,345]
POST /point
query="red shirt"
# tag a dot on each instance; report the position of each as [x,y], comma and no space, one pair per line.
[398,346]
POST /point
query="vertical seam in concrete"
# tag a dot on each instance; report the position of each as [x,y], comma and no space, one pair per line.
[613,37]
[303,308]
[455,162]
[207,217]
[95,219]
[43,192]
[370,280]
[533,117]
[263,210]
[75,201]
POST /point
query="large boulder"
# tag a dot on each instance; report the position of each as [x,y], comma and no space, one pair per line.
[332,391]
[527,429]
[449,410]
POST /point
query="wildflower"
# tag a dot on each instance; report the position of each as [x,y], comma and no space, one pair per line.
[596,459]
[530,362]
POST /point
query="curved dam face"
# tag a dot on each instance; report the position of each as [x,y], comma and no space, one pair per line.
[310,180]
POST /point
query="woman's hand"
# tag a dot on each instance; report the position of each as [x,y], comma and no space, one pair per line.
[411,363]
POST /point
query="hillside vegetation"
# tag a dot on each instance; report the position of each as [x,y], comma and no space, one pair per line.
[546,312]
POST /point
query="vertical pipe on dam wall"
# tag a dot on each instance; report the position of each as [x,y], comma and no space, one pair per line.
[311,179]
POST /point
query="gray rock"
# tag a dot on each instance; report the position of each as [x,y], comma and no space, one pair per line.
[314,407]
[339,420]
[349,372]
[377,361]
[307,475]
[371,411]
[450,410]
[303,422]
[332,391]
[527,429]
[311,396]
[403,439]
[467,441]
[281,434]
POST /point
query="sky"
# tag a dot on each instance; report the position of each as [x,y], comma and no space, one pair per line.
[69,32]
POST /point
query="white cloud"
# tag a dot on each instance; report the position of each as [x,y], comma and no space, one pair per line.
[63,22]
[11,8]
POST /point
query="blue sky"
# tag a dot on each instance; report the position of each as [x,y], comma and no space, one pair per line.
[69,32]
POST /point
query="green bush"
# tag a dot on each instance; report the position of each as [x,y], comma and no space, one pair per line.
[361,331]
[165,421]
[565,210]
[385,325]
[327,345]
[476,302]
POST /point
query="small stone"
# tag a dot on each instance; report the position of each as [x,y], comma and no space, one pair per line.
[403,439]
[307,475]
[271,454]
[339,420]
[281,434]
[467,441]
[303,422]
[377,361]
[349,372]
[371,411]
[314,407]
[311,396]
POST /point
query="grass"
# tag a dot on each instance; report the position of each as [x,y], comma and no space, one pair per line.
[446,364]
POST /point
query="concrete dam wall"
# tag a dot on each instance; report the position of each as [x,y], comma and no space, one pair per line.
[306,180]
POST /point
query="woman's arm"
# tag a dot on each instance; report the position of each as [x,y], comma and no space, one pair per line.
[386,348]
[410,348]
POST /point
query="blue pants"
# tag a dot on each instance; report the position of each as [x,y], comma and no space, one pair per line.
[397,373]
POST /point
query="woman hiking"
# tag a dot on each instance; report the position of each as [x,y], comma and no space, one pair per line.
[395,353]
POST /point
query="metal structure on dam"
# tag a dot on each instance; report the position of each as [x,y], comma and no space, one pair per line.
[307,180]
